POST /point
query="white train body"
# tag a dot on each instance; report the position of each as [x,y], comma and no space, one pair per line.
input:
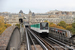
[39,30]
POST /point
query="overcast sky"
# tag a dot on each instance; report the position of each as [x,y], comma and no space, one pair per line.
[37,6]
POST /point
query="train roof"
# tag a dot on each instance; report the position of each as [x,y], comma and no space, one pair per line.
[59,29]
[39,23]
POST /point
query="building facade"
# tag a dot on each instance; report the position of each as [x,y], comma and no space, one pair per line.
[32,18]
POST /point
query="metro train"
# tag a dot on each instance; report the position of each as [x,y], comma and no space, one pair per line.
[63,35]
[41,28]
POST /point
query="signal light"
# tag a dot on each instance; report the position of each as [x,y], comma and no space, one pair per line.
[21,20]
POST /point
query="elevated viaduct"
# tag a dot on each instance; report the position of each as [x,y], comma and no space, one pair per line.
[10,39]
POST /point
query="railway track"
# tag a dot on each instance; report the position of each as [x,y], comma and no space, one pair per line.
[66,47]
[65,42]
[27,41]
[34,45]
[47,45]
[37,39]
[56,45]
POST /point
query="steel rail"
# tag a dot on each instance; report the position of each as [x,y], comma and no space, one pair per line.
[32,42]
[62,44]
[55,43]
[44,47]
[50,47]
[27,39]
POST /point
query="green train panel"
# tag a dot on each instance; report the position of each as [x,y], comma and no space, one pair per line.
[36,25]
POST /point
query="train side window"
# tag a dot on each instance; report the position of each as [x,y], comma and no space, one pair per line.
[60,33]
[56,32]
[64,34]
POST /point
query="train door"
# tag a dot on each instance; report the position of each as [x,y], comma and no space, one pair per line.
[56,33]
[63,36]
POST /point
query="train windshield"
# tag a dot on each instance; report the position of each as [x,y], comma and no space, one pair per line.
[44,26]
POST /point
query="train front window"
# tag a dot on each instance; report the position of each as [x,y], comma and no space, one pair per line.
[43,25]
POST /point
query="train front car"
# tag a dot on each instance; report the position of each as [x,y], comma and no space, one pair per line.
[44,29]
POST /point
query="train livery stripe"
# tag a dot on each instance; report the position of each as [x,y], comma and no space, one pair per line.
[36,25]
